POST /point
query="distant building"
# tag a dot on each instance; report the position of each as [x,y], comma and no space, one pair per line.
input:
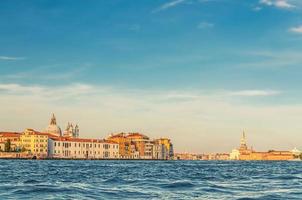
[13,138]
[139,146]
[77,148]
[167,151]
[53,128]
[35,143]
[244,153]
[234,155]
[71,131]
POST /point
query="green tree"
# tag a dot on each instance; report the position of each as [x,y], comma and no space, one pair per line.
[7,146]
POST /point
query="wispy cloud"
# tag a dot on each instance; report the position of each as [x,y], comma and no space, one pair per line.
[168,5]
[48,92]
[297,29]
[11,58]
[205,25]
[282,4]
[255,93]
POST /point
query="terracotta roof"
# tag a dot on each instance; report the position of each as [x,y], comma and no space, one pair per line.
[9,134]
[69,139]
[131,135]
[33,132]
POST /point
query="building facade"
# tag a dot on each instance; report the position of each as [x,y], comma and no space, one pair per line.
[77,148]
[139,146]
[9,141]
[35,143]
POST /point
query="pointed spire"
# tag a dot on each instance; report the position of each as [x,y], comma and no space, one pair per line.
[243,145]
[53,120]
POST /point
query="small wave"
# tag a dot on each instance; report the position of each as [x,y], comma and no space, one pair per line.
[178,185]
[31,181]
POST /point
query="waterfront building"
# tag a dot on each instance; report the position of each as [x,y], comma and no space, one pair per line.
[296,153]
[222,156]
[132,145]
[245,153]
[138,142]
[11,138]
[167,147]
[124,144]
[53,128]
[35,143]
[159,151]
[79,148]
[148,154]
[234,155]
[139,146]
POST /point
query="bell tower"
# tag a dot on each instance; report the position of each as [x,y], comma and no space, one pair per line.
[243,145]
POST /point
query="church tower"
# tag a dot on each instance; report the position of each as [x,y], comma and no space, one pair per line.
[71,131]
[76,131]
[53,120]
[243,145]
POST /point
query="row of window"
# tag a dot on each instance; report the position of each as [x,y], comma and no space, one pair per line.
[66,145]
[40,150]
[105,153]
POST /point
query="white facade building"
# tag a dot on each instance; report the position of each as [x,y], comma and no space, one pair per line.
[234,155]
[76,148]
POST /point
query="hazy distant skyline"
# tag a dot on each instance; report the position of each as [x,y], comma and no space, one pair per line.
[197,71]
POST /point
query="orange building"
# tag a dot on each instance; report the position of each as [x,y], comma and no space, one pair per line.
[139,142]
[124,144]
[131,145]
[139,146]
[14,139]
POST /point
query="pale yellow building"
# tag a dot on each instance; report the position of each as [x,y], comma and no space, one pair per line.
[35,143]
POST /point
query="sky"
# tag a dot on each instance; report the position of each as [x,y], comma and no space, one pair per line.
[197,71]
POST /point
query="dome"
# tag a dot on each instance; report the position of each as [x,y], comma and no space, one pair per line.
[53,128]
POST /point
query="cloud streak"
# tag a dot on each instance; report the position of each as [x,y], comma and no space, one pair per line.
[282,4]
[168,5]
[9,58]
[255,93]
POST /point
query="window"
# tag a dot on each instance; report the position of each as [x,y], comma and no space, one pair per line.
[55,144]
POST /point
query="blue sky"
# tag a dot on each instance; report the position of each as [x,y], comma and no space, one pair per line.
[164,59]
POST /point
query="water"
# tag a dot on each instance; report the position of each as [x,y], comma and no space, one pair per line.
[63,179]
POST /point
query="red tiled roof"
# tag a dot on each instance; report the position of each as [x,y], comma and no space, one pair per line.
[82,140]
[9,134]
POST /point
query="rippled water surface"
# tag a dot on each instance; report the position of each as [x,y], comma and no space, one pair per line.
[61,179]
